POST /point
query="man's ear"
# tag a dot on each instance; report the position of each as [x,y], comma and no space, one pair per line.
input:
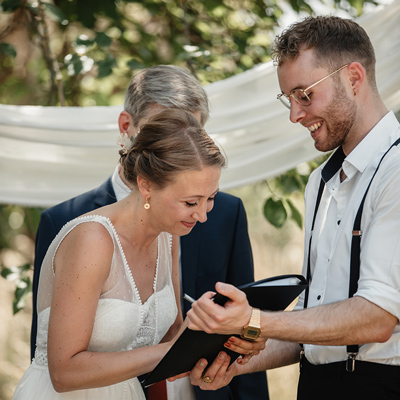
[126,124]
[356,74]
[144,186]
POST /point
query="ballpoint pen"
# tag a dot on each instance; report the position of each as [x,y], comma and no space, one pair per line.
[188,298]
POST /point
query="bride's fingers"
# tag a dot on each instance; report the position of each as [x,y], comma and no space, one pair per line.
[174,378]
[244,347]
[244,359]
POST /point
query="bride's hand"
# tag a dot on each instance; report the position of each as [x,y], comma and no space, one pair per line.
[246,348]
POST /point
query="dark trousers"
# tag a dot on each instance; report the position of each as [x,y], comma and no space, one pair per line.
[369,381]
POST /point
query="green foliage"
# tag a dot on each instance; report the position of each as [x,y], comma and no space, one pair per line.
[10,5]
[105,66]
[279,206]
[8,49]
[23,284]
[108,40]
[54,13]
[295,214]
[17,231]
[275,212]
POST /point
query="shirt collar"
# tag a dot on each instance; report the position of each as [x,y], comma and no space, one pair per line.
[120,189]
[365,152]
[375,143]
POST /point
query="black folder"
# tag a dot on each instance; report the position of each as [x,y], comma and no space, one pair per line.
[272,294]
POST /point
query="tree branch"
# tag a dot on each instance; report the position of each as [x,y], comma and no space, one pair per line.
[51,61]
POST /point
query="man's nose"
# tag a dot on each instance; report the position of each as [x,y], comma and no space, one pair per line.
[297,112]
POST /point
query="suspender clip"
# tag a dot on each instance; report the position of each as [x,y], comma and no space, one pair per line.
[351,362]
[301,358]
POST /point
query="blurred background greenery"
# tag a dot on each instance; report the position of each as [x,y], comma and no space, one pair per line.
[84,53]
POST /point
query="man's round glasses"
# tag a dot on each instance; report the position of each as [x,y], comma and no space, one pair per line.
[300,95]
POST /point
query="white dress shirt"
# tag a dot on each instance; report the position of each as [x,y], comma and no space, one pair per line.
[181,389]
[120,189]
[380,241]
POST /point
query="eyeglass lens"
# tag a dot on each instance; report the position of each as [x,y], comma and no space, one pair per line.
[301,97]
[298,95]
[285,101]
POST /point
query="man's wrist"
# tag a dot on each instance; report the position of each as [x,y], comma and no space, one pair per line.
[252,330]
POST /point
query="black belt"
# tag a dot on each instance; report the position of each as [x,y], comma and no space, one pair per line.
[361,368]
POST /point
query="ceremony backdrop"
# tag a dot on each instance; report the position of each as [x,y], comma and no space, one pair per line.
[50,154]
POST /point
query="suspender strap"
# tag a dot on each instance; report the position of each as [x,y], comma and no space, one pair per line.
[355,257]
[319,196]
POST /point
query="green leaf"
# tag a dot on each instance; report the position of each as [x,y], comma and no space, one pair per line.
[5,272]
[301,5]
[24,268]
[8,49]
[134,64]
[295,214]
[105,66]
[103,40]
[304,179]
[15,273]
[291,182]
[10,5]
[83,40]
[275,212]
[24,288]
[55,13]
[74,64]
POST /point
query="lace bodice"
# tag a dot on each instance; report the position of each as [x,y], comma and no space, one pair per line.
[122,322]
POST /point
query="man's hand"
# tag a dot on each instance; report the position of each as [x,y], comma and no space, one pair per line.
[207,316]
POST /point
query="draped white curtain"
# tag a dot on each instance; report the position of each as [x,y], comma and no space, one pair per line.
[50,154]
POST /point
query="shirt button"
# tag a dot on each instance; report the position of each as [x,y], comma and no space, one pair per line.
[319,297]
[338,222]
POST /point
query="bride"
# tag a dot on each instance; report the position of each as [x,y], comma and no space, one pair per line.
[108,298]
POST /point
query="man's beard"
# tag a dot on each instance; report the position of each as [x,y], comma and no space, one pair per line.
[341,115]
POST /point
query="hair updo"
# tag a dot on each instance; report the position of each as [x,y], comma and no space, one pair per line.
[170,143]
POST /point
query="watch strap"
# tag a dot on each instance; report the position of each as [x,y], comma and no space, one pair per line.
[255,319]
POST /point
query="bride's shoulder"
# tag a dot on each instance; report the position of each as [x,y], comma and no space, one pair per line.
[89,232]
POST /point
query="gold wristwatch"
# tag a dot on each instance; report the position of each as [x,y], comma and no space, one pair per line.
[252,330]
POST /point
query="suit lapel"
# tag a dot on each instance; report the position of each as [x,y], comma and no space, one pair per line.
[105,194]
[190,253]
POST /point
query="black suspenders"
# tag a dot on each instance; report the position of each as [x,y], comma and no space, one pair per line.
[352,350]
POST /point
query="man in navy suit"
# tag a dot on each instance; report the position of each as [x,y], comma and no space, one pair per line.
[218,250]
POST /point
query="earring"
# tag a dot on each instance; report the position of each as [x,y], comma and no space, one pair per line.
[355,92]
[147,204]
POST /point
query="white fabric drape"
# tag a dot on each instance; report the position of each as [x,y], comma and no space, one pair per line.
[49,154]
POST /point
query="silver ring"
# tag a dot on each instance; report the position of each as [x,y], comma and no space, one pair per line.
[251,353]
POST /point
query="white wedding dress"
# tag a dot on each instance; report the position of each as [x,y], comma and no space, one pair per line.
[122,322]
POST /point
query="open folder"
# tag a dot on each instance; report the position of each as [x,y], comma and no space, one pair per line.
[272,294]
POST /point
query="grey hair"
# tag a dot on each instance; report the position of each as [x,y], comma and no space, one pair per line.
[168,86]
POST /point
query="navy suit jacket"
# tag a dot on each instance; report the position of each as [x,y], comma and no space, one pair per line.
[217,250]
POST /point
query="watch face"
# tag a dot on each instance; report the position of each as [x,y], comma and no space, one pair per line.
[251,333]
